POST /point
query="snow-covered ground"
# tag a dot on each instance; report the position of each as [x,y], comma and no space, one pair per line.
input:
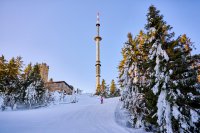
[86,116]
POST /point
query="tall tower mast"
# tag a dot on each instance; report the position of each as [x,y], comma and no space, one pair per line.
[98,63]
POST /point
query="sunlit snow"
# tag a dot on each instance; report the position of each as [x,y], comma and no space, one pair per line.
[86,116]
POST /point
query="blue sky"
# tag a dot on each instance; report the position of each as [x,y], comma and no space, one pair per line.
[61,33]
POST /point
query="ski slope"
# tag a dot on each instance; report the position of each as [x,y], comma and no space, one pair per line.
[86,116]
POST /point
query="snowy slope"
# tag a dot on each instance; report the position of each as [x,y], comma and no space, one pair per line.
[86,116]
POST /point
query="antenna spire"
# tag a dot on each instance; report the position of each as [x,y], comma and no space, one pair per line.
[98,23]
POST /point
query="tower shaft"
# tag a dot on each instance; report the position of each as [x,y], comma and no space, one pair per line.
[98,62]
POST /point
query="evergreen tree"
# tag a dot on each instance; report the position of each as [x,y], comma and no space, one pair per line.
[184,96]
[172,77]
[20,88]
[107,90]
[103,85]
[112,88]
[196,58]
[3,65]
[103,88]
[132,78]
[38,83]
[34,91]
[12,81]
[27,71]
[98,90]
[27,80]
[159,78]
[158,38]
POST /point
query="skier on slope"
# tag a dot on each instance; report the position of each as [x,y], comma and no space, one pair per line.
[101,99]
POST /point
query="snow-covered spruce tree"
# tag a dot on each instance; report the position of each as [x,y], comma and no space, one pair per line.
[17,87]
[26,81]
[33,92]
[38,85]
[196,58]
[12,81]
[3,64]
[30,95]
[172,78]
[124,76]
[157,74]
[162,73]
[184,95]
[131,78]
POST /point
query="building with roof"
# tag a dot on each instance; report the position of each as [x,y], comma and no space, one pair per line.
[54,85]
[61,86]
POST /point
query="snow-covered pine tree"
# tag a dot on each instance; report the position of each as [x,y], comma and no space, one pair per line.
[30,95]
[131,78]
[124,76]
[38,83]
[12,72]
[12,81]
[26,81]
[172,78]
[33,86]
[17,87]
[3,64]
[162,73]
[125,63]
[184,95]
[157,73]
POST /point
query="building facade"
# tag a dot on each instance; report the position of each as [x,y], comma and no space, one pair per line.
[61,86]
[51,85]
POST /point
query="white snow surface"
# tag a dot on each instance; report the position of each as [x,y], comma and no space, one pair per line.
[194,116]
[175,112]
[86,116]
